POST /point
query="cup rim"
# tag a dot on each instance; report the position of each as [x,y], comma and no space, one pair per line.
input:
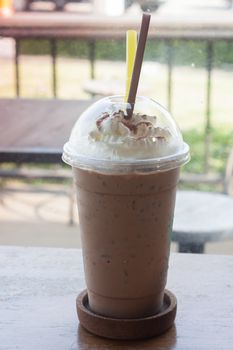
[127,165]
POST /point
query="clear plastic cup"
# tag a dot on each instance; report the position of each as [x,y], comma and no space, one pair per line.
[126,190]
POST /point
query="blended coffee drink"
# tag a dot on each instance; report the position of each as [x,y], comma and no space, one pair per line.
[126,171]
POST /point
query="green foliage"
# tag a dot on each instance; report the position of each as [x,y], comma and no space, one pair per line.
[65,48]
[223,53]
[184,52]
[195,140]
[35,47]
[221,141]
[73,48]
[110,50]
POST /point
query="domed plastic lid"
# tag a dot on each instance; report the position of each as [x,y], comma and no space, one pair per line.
[109,138]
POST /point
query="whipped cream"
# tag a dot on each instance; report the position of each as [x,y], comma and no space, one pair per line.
[119,126]
[105,137]
[115,136]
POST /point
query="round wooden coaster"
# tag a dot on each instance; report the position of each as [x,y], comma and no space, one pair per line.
[139,328]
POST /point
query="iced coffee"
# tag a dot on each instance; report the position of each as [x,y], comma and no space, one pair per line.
[126,172]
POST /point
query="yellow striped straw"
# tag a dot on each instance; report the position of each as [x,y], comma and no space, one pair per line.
[131,46]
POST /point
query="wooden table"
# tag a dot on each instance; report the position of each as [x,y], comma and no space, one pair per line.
[201,217]
[39,287]
[36,130]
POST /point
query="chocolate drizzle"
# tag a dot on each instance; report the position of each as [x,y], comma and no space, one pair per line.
[101,119]
[138,127]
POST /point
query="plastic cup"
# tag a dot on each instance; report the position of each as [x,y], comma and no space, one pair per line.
[126,204]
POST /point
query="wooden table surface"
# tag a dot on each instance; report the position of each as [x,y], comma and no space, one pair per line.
[211,25]
[39,287]
[36,130]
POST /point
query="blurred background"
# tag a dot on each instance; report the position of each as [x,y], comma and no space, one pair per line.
[189,70]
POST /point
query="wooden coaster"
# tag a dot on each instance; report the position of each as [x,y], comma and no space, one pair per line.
[126,329]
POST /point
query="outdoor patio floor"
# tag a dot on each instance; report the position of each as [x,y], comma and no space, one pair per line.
[33,218]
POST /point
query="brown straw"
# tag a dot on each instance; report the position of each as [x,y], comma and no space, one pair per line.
[138,62]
